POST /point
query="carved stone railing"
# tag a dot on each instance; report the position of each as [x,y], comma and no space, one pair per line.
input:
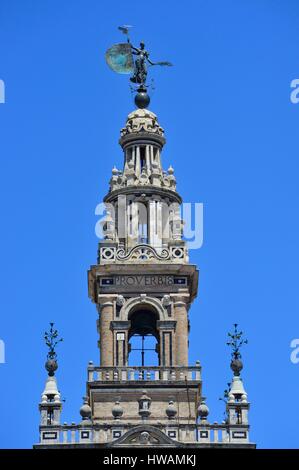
[149,374]
[142,253]
[67,434]
[198,434]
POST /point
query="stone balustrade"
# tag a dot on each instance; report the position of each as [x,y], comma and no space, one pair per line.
[149,374]
[76,434]
[142,253]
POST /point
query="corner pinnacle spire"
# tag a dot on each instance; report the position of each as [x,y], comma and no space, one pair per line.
[50,406]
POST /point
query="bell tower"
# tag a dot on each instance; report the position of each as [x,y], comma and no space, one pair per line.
[143,285]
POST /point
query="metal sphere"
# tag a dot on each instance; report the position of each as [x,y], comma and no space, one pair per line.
[236,366]
[51,366]
[142,99]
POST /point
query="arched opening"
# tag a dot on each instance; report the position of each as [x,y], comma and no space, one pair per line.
[142,223]
[143,337]
[142,157]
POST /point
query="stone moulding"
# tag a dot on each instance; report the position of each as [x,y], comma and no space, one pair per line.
[142,253]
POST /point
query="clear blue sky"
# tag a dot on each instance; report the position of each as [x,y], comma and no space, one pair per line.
[232,137]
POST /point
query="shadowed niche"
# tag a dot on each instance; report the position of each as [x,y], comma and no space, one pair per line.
[143,335]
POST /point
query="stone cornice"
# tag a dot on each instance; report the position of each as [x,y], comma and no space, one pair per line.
[120,325]
[147,190]
[141,138]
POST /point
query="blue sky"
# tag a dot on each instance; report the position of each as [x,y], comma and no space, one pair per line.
[232,137]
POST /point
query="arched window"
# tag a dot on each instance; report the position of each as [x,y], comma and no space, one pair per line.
[143,338]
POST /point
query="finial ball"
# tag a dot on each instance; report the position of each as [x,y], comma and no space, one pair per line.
[51,366]
[203,410]
[142,99]
[236,366]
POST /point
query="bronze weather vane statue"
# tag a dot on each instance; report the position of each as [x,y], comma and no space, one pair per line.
[124,58]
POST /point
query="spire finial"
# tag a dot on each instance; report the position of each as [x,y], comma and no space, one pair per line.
[51,340]
[236,341]
[85,411]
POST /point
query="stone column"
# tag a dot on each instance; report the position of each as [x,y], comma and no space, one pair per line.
[165,224]
[106,334]
[135,222]
[177,223]
[132,224]
[158,158]
[147,158]
[120,342]
[152,154]
[137,161]
[165,346]
[127,158]
[132,159]
[181,334]
[159,224]
[152,221]
[167,354]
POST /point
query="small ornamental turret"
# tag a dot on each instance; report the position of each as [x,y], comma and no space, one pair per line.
[237,405]
[236,342]
[50,405]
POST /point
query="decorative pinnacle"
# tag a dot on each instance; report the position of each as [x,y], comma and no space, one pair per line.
[51,340]
[236,341]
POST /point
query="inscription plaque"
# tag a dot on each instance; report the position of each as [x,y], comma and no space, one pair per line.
[142,281]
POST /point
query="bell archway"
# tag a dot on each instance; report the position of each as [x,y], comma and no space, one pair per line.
[144,331]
